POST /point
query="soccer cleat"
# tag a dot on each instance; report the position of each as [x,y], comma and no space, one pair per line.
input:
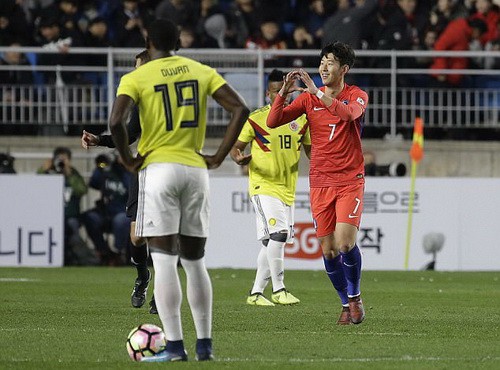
[345,317]
[204,350]
[139,292]
[356,309]
[166,356]
[284,297]
[258,299]
[152,306]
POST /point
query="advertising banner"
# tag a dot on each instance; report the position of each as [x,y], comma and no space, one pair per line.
[31,220]
[461,212]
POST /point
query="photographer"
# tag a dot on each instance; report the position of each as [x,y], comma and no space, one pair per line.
[108,216]
[76,251]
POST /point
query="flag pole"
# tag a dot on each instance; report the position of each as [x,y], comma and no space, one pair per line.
[416,154]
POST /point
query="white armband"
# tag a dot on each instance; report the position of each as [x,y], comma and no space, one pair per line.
[320,94]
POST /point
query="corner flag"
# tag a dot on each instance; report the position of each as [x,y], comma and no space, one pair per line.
[416,154]
[417,148]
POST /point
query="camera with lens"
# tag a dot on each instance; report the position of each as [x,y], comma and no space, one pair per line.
[394,169]
[59,165]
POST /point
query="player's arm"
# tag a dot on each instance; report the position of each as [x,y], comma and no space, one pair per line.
[349,112]
[279,114]
[231,101]
[133,128]
[117,124]
[237,154]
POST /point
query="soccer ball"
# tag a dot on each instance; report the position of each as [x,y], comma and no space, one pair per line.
[144,341]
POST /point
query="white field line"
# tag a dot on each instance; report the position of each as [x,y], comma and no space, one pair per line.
[17,280]
[366,359]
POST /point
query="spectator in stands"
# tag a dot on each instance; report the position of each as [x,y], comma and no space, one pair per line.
[489,13]
[67,14]
[301,39]
[131,25]
[13,23]
[347,23]
[14,97]
[112,180]
[187,38]
[181,12]
[269,37]
[318,13]
[397,27]
[75,249]
[445,11]
[53,37]
[211,27]
[97,37]
[456,36]
[243,21]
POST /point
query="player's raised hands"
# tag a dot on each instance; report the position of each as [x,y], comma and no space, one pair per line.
[308,81]
[89,139]
[289,85]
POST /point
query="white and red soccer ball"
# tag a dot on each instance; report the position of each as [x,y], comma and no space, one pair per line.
[144,341]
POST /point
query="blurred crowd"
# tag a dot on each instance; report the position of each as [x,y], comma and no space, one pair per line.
[265,24]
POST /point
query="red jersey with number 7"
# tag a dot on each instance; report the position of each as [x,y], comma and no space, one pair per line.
[336,153]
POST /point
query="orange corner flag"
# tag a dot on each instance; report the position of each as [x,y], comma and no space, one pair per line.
[417,147]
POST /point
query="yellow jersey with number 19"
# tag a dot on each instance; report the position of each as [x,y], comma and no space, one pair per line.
[171,94]
[274,167]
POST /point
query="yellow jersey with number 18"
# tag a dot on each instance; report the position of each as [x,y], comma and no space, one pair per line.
[171,94]
[274,167]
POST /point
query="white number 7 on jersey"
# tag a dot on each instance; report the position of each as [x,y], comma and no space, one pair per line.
[333,130]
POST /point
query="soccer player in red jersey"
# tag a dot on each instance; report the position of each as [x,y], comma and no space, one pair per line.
[336,175]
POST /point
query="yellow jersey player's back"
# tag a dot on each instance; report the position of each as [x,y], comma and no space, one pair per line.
[172,96]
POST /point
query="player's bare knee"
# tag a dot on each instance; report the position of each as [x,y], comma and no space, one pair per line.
[137,241]
[280,236]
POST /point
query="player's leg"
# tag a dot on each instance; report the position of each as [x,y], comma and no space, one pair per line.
[275,215]
[262,278]
[349,208]
[194,204]
[139,258]
[158,219]
[323,209]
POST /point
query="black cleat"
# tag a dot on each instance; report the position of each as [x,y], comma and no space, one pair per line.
[152,306]
[139,291]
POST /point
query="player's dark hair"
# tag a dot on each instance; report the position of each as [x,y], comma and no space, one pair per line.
[276,76]
[61,150]
[341,51]
[163,34]
[478,23]
[143,56]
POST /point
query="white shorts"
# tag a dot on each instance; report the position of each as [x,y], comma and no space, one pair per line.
[173,199]
[272,216]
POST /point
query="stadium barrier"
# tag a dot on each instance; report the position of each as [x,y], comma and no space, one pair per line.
[398,94]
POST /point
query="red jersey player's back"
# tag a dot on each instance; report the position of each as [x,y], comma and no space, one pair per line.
[336,153]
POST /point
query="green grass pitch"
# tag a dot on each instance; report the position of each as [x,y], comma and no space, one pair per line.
[79,318]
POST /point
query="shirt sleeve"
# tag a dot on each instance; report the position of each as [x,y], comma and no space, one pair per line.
[279,115]
[128,87]
[247,133]
[216,82]
[352,111]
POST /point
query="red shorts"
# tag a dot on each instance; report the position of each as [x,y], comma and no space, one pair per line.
[336,204]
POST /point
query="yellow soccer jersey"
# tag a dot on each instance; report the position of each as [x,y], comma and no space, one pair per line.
[172,96]
[274,167]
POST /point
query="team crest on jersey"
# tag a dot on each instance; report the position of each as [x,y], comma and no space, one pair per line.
[360,101]
[293,126]
[345,102]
